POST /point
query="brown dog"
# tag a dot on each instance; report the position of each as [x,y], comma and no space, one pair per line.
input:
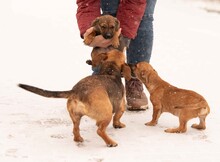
[97,96]
[185,104]
[107,26]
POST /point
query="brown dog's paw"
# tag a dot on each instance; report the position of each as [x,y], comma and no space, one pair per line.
[151,123]
[112,144]
[119,125]
[88,40]
[115,43]
[174,130]
[78,139]
[197,126]
[89,62]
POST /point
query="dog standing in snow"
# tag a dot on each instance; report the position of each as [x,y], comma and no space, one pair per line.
[185,104]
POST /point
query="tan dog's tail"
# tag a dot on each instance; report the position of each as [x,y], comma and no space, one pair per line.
[46,93]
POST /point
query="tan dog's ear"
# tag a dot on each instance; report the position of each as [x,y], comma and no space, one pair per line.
[117,24]
[143,74]
[126,72]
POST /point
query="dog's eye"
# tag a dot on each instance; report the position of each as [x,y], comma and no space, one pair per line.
[103,27]
[111,27]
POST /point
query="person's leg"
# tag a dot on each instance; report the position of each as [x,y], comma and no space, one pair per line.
[140,50]
[110,7]
[141,47]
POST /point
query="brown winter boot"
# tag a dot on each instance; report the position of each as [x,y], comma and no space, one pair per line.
[136,98]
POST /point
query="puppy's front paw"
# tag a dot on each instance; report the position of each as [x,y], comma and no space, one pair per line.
[115,43]
[88,40]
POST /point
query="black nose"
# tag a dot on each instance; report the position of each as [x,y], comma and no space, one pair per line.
[108,36]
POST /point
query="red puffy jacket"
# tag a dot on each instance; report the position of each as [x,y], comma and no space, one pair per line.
[130,13]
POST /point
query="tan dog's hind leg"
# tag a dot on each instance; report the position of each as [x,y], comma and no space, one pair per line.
[102,125]
[202,116]
[182,127]
[117,116]
[201,125]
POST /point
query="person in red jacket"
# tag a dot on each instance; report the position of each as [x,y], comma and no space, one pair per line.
[136,21]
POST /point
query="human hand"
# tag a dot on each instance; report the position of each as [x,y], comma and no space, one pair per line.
[99,40]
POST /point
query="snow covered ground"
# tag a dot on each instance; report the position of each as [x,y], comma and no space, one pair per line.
[40,45]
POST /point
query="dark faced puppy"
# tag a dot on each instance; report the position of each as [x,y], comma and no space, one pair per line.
[185,104]
[107,26]
[97,96]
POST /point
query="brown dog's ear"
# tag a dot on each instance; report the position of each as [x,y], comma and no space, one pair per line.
[95,23]
[103,57]
[89,62]
[117,24]
[126,72]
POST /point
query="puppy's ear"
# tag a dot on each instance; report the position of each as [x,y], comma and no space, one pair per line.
[95,23]
[117,24]
[126,72]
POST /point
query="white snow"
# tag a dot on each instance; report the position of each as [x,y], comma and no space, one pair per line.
[40,46]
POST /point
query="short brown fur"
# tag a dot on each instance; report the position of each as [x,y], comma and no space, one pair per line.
[185,104]
[107,26]
[96,96]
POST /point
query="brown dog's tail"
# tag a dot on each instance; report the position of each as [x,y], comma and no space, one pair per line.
[46,93]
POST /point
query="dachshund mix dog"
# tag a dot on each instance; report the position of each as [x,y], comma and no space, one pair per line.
[185,104]
[97,96]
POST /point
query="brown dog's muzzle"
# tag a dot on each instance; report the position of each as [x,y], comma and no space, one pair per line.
[108,36]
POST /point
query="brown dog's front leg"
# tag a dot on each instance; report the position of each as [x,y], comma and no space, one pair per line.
[89,38]
[115,40]
[116,120]
[118,115]
[155,117]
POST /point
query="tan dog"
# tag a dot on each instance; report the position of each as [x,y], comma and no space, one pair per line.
[185,104]
[107,26]
[97,96]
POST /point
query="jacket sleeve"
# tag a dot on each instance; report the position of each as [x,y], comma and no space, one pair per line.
[130,13]
[87,11]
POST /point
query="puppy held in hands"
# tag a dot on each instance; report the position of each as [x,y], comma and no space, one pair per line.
[97,96]
[107,26]
[185,104]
